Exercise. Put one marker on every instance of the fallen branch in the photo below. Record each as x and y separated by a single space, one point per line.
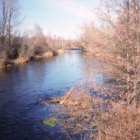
66 97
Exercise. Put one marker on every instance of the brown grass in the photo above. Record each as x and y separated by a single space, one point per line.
49 54
2 61
20 60
44 55
78 106
99 119
60 51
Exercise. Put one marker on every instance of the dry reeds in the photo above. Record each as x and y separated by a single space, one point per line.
97 119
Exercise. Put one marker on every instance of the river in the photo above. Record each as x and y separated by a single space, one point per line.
23 87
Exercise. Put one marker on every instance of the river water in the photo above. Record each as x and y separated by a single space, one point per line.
23 87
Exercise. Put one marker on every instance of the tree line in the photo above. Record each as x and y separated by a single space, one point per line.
23 46
109 110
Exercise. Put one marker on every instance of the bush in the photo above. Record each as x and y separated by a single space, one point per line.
96 118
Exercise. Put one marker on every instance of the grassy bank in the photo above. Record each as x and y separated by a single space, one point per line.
50 53
21 60
44 55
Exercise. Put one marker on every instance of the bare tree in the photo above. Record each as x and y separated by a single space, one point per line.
126 45
13 18
118 44
31 40
3 20
9 18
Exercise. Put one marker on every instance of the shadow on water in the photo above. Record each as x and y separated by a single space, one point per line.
23 87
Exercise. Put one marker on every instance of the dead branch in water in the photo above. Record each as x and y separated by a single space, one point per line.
61 100
66 97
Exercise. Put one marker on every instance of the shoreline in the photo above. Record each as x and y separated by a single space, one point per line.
18 61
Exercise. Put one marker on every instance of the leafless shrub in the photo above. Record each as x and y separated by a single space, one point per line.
120 122
29 43
92 117
26 50
78 115
117 45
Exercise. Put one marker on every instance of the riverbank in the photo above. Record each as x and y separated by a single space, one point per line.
97 118
24 88
49 54
20 60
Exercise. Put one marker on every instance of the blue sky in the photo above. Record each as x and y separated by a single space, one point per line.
62 18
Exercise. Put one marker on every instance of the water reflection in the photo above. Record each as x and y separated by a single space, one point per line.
22 87
20 114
